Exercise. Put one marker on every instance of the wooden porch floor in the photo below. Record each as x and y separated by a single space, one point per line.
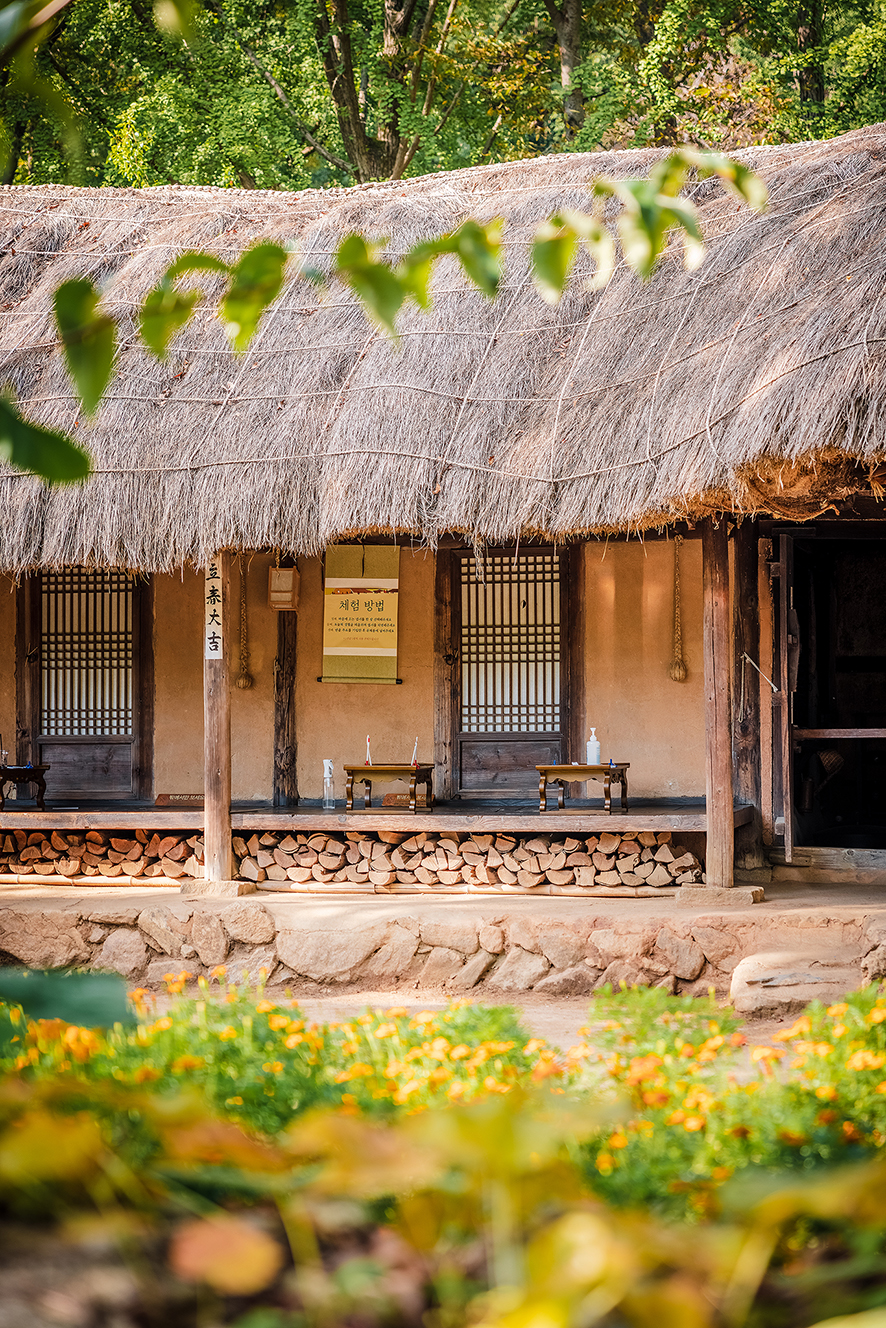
580 815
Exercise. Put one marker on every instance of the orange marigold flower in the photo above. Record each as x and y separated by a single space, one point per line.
676 1118
385 1030
877 1015
439 1075
617 1140
721 1173
278 1021
493 1086
826 1117
460 1052
294 1040
838 1030
866 1060
236 1101
228 1034
496 1048
405 1091
423 1017
265 1007
272 1067
365 1019
738 1040
826 1091
642 1068
534 1045
739 1132
835 1011
656 1097
219 971
881 1088
792 1137
186 1063
161 1025
396 1012
605 1163
458 1089
851 1132
546 1068
802 1025
359 1070
144 1074
694 1123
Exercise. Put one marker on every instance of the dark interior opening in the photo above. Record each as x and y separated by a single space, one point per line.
840 602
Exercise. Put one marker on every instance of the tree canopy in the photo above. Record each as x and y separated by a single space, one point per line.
291 93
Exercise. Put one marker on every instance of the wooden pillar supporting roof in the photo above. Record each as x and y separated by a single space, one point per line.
718 707
217 740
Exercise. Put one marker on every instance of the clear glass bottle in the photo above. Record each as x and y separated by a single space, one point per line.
328 787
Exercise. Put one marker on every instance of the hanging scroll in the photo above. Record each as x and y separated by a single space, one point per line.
213 634
360 601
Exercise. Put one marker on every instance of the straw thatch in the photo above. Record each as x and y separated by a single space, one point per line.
756 383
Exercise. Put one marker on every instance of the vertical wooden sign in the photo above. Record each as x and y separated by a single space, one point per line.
216 723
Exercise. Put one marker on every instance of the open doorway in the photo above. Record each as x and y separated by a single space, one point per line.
838 728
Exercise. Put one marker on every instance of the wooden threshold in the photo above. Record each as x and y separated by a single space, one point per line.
837 734
578 820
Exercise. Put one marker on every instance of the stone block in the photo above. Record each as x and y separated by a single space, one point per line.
46 939
491 938
782 982
684 957
519 970
476 968
124 951
577 980
250 922
329 956
252 965
627 971
154 922
459 934
158 969
441 966
563 944
873 966
720 947
209 938
197 888
390 960
702 896
524 932
114 915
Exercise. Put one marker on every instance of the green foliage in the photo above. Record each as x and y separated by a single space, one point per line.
88 338
91 999
256 282
39 451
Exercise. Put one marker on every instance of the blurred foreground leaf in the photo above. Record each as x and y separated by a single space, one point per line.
90 1000
39 451
256 282
89 339
228 1253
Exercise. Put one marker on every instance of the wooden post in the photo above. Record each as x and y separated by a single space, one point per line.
285 732
718 710
445 675
746 698
217 722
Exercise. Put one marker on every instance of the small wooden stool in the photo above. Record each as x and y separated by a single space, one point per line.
413 775
24 774
615 773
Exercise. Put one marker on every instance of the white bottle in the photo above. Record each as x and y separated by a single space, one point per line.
593 749
328 787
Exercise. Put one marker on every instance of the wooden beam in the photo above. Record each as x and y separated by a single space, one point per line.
718 709
143 648
746 697
285 728
217 727
445 674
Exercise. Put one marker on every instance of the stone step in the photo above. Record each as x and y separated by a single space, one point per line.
780 983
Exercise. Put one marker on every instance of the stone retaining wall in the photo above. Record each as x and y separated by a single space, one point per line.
623 864
469 948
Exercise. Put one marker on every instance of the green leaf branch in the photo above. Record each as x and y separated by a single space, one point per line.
651 210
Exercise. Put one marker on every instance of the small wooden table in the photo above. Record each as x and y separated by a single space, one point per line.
24 774
616 773
413 775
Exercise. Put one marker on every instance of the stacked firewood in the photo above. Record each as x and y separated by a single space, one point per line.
100 853
496 861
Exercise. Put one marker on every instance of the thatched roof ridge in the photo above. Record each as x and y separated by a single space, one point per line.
758 382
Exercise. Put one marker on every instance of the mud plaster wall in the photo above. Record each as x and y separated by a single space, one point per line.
334 718
178 672
642 716
7 664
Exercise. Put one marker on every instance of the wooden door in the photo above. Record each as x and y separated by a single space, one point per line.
787 654
85 677
508 620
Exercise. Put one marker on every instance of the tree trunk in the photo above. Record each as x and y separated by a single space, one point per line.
566 19
810 26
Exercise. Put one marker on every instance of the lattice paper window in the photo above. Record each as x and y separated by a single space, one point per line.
86 653
510 643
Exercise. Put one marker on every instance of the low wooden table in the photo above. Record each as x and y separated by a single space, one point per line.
616 773
413 775
24 774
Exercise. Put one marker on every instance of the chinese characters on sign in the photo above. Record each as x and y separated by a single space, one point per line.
360 607
214 613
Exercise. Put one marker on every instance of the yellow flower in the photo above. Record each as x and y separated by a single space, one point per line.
618 1140
186 1063
423 1017
877 1015
359 1070
144 1074
233 1102
293 1041
826 1092
605 1163
802 1025
493 1086
693 1123
460 1052
881 1088
397 1012
766 1054
835 1011
272 1067
365 1019
866 1060
838 1030
227 1034
393 1068
385 1030
440 1075
792 1138
160 1025
218 972
456 1090
406 1090
278 1021
265 1007
534 1045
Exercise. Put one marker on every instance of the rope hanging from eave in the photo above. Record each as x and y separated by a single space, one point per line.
677 671
245 679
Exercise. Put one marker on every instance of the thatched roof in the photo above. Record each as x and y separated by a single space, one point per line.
757 382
